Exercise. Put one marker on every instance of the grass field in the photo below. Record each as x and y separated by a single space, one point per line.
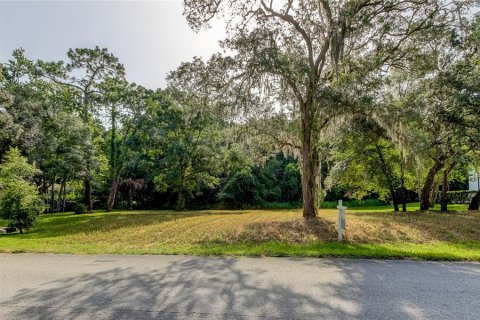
371 233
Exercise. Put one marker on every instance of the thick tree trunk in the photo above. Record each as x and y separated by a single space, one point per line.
404 202
428 185
113 193
434 193
475 202
87 197
309 171
395 203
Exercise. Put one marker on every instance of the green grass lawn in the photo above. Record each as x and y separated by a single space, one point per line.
371 233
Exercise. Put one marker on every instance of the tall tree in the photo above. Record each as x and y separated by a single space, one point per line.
85 71
124 105
299 51
188 147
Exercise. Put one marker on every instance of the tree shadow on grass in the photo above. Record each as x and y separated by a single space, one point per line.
70 224
224 288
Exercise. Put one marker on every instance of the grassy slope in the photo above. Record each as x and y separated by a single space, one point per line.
371 232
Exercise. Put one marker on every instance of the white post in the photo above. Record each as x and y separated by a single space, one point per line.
341 220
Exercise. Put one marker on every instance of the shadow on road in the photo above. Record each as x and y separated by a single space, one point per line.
218 288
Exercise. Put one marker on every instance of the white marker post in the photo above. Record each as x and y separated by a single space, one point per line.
341 220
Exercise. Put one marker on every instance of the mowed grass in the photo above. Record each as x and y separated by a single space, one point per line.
370 233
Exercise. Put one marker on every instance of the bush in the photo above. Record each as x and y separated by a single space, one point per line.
79 208
20 202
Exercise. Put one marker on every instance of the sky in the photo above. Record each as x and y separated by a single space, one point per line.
151 38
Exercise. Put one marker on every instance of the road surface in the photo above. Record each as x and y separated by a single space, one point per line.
43 286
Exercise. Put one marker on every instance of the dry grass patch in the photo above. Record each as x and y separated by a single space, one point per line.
253 232
362 228
295 231
413 227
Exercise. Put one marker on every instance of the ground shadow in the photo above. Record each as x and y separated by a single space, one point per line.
55 225
224 288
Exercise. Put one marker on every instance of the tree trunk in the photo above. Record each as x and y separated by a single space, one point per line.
395 202
87 199
428 185
130 197
444 196
388 176
52 196
475 202
64 202
309 171
181 201
434 194
402 186
113 150
404 202
112 196
45 193
60 195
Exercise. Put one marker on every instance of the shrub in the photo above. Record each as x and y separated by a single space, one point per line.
20 202
79 208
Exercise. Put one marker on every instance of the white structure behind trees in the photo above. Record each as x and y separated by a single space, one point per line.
473 181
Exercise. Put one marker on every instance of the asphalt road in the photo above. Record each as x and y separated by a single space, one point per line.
180 287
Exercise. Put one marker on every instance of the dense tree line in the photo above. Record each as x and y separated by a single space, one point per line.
315 102
100 141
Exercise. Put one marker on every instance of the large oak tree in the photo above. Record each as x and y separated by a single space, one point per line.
299 51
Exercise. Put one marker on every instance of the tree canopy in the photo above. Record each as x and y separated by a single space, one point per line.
309 101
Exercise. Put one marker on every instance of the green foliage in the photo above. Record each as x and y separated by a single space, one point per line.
291 183
19 199
274 183
367 162
187 145
240 191
79 208
208 139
